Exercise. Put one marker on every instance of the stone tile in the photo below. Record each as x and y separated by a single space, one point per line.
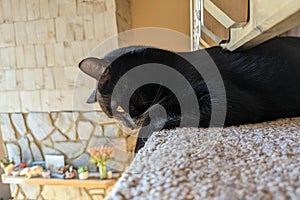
48 142
68 54
8 35
54 115
36 101
48 150
63 192
88 27
70 149
98 131
42 32
29 55
13 189
38 79
20 31
84 130
45 100
64 121
71 133
7 131
110 23
96 117
40 125
98 197
25 150
51 31
36 152
97 141
111 130
96 191
20 58
77 28
11 80
116 166
12 57
59 55
67 8
48 78
83 160
77 52
13 152
28 79
50 55
59 78
110 4
18 122
4 55
31 32
26 103
57 136
53 8
67 99
13 101
2 80
32 191
33 9
61 29
3 105
99 26
30 138
55 100
41 60
71 74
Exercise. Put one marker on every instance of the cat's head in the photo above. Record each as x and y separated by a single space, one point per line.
107 71
162 69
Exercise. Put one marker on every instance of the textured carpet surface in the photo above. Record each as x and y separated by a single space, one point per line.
259 161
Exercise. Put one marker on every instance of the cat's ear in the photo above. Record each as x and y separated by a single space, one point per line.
93 97
93 67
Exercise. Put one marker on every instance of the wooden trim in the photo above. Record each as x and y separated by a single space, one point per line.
206 41
90 183
215 27
235 10
266 21
218 14
211 35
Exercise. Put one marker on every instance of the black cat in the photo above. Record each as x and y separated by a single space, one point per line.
262 83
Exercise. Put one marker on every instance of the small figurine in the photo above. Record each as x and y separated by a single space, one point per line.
32 171
46 174
7 165
70 173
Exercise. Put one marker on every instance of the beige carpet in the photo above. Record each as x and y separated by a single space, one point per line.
260 161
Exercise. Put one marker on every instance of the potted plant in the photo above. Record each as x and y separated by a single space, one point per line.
83 172
101 156
7 165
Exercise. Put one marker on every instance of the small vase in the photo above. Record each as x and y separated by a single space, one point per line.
83 175
102 171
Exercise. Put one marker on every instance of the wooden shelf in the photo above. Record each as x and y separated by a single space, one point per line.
91 182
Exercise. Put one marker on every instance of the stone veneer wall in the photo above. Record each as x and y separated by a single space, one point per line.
42 92
31 136
41 44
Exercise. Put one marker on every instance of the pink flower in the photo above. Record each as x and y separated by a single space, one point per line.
101 155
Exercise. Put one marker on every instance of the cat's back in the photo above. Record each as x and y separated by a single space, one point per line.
263 82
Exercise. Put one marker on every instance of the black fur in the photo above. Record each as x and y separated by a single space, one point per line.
262 83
